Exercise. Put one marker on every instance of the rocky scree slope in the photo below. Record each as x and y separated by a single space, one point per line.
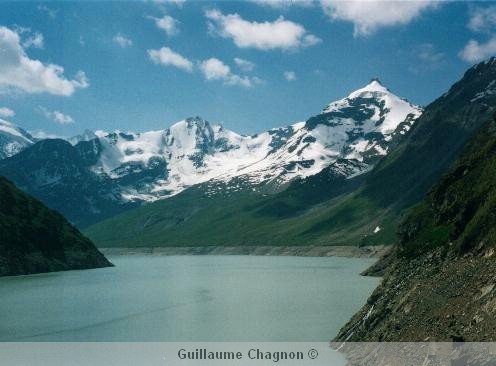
439 284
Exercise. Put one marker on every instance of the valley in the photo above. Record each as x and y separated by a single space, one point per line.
259 171
370 176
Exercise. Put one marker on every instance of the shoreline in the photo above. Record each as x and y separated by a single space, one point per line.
298 251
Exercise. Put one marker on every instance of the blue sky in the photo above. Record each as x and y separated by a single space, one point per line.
251 65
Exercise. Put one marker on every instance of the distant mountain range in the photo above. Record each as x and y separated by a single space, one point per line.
96 175
327 208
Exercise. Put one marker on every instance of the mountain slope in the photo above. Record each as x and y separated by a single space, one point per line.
13 139
313 211
198 217
435 139
36 239
100 177
58 174
440 282
406 174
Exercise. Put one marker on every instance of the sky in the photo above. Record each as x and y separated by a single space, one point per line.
250 65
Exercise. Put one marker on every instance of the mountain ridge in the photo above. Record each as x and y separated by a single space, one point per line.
128 169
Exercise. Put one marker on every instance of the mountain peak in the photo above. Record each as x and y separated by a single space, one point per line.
374 86
190 122
196 122
373 90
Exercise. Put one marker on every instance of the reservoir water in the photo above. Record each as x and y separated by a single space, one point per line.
187 298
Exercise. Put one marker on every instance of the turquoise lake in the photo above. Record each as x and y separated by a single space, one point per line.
187 298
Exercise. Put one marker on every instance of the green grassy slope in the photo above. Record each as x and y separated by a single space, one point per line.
242 218
36 239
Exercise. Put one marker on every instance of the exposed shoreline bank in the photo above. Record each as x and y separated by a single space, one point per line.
299 251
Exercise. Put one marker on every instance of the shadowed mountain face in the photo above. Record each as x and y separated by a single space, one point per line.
326 208
58 174
439 285
94 177
36 239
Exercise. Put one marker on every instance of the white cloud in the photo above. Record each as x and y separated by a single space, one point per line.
428 53
280 4
166 57
290 75
475 51
425 58
42 135
163 5
279 34
122 40
370 15
244 65
56 116
29 38
167 23
6 112
179 3
52 13
36 40
20 72
482 19
215 69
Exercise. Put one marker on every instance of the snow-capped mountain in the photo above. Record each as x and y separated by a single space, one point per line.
13 139
192 151
346 138
357 128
